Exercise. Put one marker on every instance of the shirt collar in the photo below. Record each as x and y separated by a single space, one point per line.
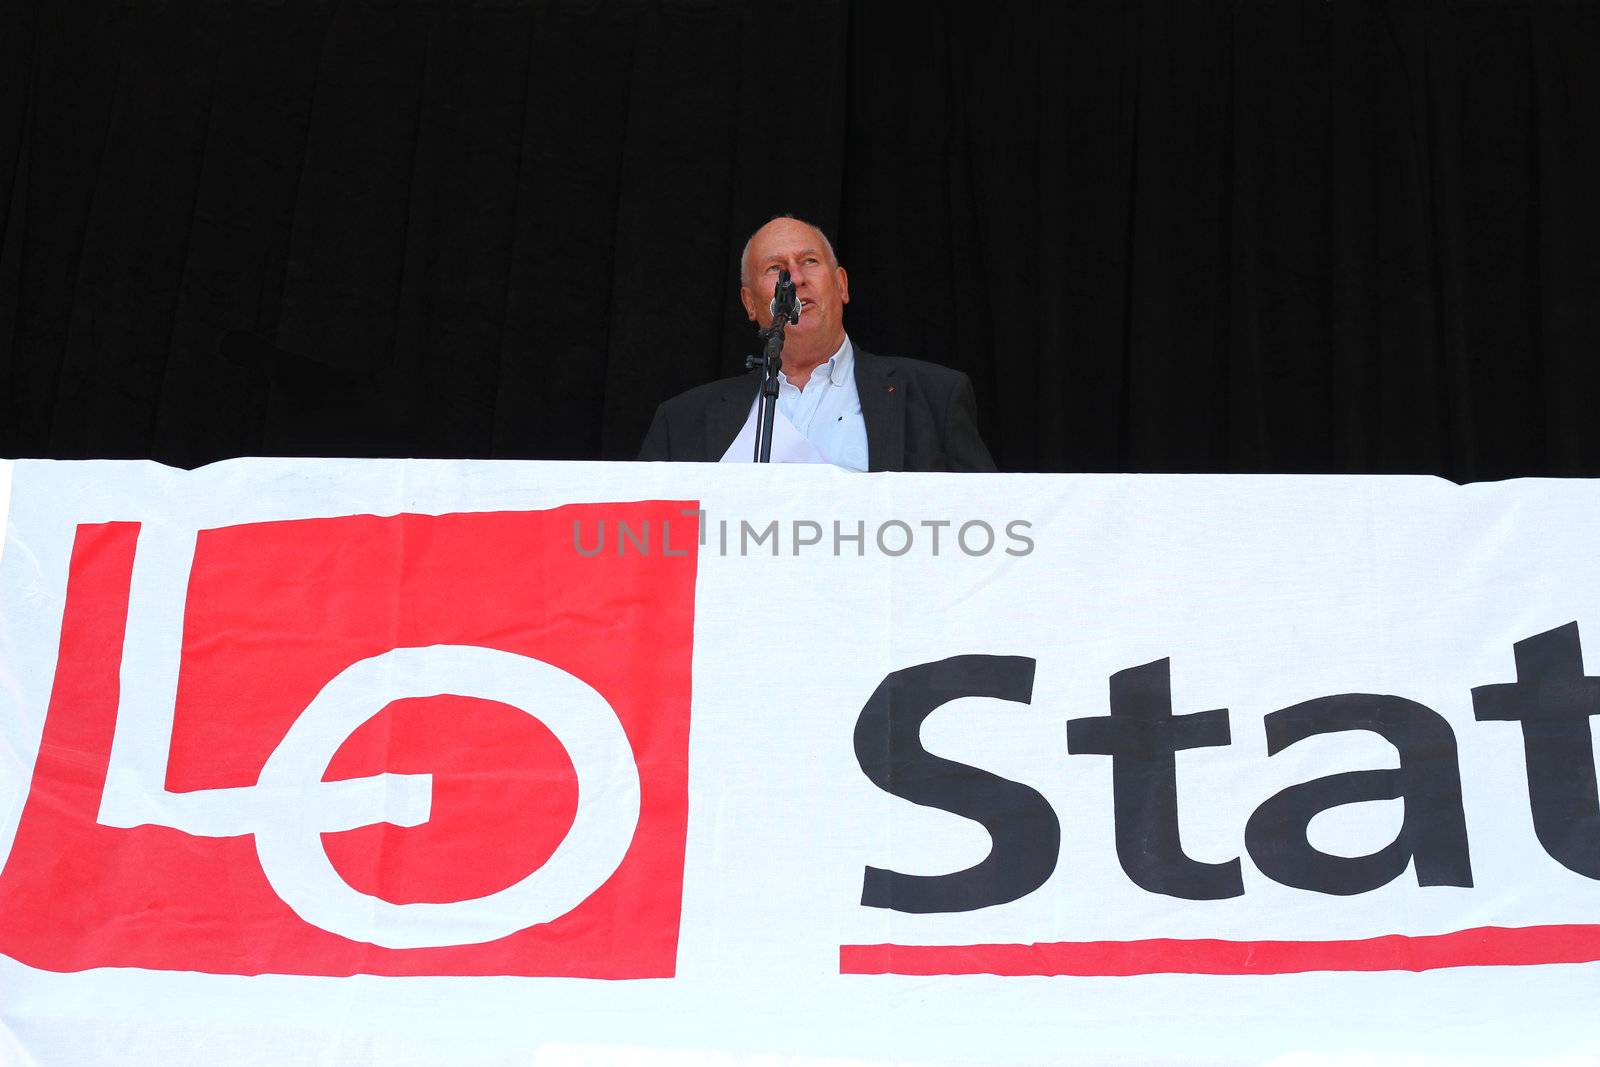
842 363
838 369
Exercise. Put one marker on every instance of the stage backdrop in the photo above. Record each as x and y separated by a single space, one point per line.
421 762
1350 236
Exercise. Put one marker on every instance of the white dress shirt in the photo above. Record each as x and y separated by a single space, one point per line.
827 412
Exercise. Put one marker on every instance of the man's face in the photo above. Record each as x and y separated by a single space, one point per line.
820 284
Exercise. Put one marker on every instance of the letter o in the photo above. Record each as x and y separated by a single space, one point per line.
290 847
961 536
903 548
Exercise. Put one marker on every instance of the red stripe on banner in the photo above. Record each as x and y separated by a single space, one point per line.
1486 946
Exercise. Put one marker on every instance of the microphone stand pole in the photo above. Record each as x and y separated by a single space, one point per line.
784 312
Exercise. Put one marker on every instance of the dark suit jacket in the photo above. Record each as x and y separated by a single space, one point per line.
919 416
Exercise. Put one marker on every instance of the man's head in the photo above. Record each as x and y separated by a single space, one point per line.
820 283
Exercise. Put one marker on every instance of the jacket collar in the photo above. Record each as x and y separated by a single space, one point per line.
883 406
727 416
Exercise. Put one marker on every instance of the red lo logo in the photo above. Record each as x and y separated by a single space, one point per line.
404 745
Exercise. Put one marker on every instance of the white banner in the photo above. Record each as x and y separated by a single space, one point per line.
422 762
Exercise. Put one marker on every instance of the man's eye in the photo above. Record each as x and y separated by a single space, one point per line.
811 260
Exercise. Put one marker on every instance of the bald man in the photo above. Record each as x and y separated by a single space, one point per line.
853 409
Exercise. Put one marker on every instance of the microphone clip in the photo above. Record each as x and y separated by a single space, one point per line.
785 306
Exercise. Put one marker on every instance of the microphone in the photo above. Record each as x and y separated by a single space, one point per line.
785 305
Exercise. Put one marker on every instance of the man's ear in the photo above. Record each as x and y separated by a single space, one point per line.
844 286
748 299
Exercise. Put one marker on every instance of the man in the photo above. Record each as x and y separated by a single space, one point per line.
853 409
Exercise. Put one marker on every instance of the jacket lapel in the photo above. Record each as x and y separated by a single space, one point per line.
883 406
727 416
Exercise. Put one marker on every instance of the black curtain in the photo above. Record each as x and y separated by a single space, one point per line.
1261 235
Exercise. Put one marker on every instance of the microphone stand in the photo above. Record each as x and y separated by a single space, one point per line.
785 312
